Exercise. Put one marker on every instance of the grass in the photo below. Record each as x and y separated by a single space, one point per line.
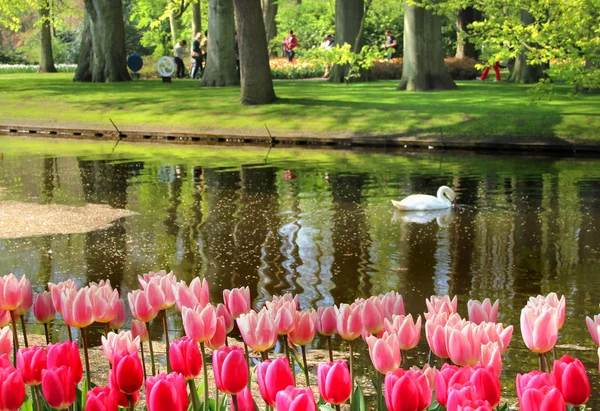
477 111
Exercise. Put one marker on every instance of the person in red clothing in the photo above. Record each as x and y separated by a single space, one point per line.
290 43
486 70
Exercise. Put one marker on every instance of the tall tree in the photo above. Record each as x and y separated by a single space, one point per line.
270 8
523 72
46 55
464 47
423 67
221 60
196 18
257 83
176 8
348 17
102 56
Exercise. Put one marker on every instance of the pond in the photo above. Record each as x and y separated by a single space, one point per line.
319 223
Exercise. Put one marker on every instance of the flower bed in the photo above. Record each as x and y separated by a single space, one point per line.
34 68
282 69
459 69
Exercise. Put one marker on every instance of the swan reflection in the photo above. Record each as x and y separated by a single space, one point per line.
442 217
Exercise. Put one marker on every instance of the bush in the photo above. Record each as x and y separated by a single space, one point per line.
34 68
459 69
282 69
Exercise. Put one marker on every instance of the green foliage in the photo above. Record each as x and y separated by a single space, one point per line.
358 399
435 406
344 56
384 15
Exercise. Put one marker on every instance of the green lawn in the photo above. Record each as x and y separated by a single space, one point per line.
482 111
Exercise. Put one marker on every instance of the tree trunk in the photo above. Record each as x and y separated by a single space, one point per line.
270 8
196 18
46 56
423 67
220 65
175 25
522 72
102 56
257 84
348 17
464 48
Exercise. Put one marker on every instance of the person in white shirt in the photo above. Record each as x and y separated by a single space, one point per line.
180 52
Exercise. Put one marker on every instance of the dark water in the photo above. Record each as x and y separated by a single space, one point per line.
320 224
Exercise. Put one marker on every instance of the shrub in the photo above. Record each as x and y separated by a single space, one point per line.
459 69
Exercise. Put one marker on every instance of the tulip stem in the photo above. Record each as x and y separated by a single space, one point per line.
540 363
247 363
143 360
70 334
235 402
554 353
217 398
330 349
379 390
106 329
36 397
194 395
338 408
164 318
264 355
151 349
87 358
46 332
131 405
15 337
24 331
351 371
403 360
547 362
205 376
305 365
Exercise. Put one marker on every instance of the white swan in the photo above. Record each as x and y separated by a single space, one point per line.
421 202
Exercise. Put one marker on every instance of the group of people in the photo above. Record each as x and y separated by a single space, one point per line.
198 54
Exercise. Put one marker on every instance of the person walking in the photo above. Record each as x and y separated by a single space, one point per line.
391 44
197 56
204 47
486 70
290 43
327 45
180 53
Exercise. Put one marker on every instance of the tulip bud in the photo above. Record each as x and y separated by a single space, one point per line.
304 328
31 362
327 321
185 357
43 309
101 399
12 388
128 373
273 376
245 402
139 329
58 387
65 354
407 391
384 352
572 380
230 369
140 306
200 323
480 312
121 343
237 301
6 340
296 399
119 320
166 392
258 330
334 383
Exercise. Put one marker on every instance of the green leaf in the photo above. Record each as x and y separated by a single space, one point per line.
435 406
504 407
83 395
27 404
325 407
358 399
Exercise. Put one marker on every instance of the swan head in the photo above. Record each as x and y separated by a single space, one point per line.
447 192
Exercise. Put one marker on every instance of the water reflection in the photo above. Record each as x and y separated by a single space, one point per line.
323 227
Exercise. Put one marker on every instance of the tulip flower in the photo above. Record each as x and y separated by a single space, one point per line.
222 311
491 332
326 321
6 340
551 300
543 399
237 301
442 382
140 306
296 399
464 345
185 357
56 292
159 288
393 305
483 311
27 301
539 328
119 320
58 387
4 318
349 321
220 337
77 307
31 362
166 392
435 332
534 379
284 316
384 352
121 343
491 356
465 398
436 304
43 309
105 301
123 400
197 294
429 372
273 377
101 399
65 354
230 369
304 328
594 328
407 330
244 400
12 389
407 391
484 382
11 291
128 373
373 314
335 384
200 322
258 330
139 329
572 380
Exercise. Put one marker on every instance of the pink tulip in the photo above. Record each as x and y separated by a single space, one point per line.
491 332
65 354
56 292
464 345
31 362
545 399
43 309
122 399
393 305
230 369
572 380
166 392
333 379
465 398
12 291
408 332
128 372
140 306
77 307
279 300
551 300
384 352
349 321
159 290
245 402
119 320
296 399
304 328
435 332
476 383
327 321
200 323
258 330
58 387
442 382
4 318
220 337
491 356
101 399
407 391
594 328
534 379
237 301
27 301
185 357
436 304
429 372
105 301
122 343
12 389
222 311
373 314
194 295
284 316
539 328
483 311
139 330
6 341
273 377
